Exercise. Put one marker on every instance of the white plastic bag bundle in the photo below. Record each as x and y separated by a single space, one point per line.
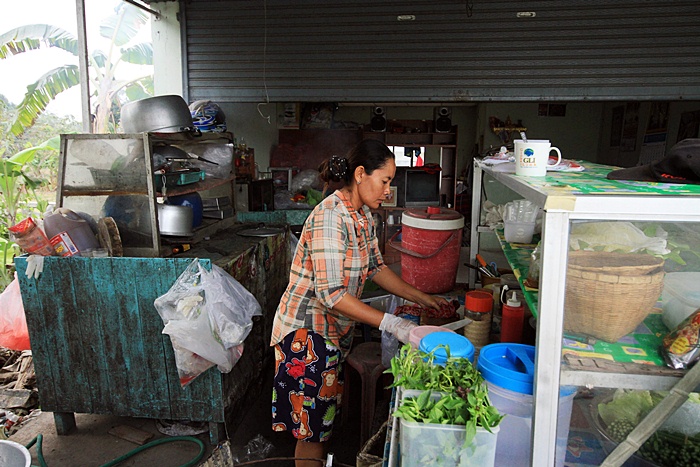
615 236
231 307
207 315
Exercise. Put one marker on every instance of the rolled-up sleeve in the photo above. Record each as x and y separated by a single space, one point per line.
328 250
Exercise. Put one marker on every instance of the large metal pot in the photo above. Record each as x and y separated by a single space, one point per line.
160 114
175 220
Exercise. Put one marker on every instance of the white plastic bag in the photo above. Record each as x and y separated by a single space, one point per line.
207 315
615 236
230 306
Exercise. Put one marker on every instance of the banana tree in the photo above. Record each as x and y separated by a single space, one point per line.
107 91
17 188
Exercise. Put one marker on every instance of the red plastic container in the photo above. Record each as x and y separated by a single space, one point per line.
430 242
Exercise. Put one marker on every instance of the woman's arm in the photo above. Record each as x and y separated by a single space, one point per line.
353 308
358 311
389 281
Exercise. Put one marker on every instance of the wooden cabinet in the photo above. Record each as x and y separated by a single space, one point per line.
97 338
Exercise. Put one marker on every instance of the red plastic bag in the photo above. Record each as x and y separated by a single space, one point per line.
13 324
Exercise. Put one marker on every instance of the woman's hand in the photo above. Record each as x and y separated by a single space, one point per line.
432 301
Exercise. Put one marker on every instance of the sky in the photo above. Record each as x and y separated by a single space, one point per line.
18 71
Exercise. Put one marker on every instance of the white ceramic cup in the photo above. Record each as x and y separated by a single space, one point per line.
531 157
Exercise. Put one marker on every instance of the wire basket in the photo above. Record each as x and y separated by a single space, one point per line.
609 294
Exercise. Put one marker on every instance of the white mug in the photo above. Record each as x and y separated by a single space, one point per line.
531 157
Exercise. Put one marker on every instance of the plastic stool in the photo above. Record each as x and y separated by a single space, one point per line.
366 359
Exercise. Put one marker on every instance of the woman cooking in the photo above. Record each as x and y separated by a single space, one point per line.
313 326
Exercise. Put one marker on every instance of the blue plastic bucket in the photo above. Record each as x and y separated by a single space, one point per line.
509 371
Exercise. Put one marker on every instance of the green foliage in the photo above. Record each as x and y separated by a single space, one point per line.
8 251
17 187
19 199
464 395
34 36
41 93
108 92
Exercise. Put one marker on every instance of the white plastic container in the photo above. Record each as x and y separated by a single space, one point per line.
680 297
518 232
508 370
13 454
443 445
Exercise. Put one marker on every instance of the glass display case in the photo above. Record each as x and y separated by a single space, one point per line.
113 175
569 352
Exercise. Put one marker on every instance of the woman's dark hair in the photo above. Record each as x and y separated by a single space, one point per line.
369 153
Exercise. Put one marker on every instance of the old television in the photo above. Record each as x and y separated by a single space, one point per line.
421 187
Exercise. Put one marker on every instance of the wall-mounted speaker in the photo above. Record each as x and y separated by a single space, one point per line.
378 120
443 119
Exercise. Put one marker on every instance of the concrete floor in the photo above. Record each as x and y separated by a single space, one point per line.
91 444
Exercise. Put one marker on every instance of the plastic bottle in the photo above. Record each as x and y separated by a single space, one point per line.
512 316
69 233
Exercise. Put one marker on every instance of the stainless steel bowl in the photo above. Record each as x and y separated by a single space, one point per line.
175 220
160 114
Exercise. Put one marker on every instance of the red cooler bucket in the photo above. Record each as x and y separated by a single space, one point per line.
430 242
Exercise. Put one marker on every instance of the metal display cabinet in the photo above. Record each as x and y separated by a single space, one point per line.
112 175
577 197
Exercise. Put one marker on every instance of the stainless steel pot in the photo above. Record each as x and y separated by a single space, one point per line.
160 114
175 220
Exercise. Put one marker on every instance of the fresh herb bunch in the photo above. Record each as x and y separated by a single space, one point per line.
464 398
414 369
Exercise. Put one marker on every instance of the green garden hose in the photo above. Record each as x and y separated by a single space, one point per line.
119 460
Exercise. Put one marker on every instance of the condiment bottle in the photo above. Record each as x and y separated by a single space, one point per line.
512 316
477 307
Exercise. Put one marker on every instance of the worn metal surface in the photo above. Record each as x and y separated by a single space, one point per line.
362 51
97 342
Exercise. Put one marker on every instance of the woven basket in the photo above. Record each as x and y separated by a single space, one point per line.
609 294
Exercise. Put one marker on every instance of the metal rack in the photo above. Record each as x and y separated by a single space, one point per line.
561 204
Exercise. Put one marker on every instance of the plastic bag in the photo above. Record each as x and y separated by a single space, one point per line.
306 179
230 306
681 347
13 323
615 236
257 448
207 315
220 154
533 272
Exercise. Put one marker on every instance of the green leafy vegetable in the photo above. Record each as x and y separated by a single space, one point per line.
454 393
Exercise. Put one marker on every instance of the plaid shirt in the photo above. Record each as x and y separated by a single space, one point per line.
337 252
